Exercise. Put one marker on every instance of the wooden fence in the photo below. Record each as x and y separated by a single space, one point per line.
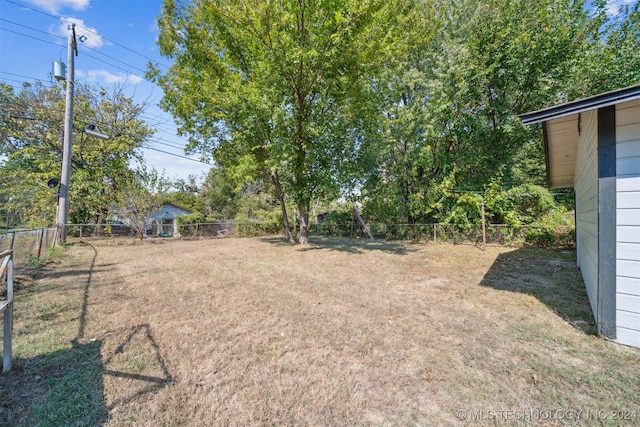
6 306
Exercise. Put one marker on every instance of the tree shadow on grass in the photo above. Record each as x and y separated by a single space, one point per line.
67 386
133 364
344 244
61 388
552 277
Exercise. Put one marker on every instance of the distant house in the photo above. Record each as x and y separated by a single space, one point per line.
593 145
164 221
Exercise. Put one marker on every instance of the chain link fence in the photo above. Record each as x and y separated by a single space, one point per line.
491 234
494 234
28 245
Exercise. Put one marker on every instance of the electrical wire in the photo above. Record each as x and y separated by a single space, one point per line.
13 80
31 37
168 145
85 53
86 29
113 58
32 29
85 47
19 75
115 66
156 140
177 155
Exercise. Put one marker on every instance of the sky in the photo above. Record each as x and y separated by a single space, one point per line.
120 40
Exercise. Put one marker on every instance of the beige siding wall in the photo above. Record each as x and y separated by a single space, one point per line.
628 223
587 204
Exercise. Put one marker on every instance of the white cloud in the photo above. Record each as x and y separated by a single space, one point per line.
93 39
107 77
613 6
54 6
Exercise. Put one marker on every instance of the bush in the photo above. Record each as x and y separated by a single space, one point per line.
337 223
531 202
193 218
466 212
554 230
258 229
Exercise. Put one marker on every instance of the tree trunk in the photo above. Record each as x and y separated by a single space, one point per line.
304 222
285 219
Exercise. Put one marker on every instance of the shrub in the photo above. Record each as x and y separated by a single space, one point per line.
337 223
554 230
192 218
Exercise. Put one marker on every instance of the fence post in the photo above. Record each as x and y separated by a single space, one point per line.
13 238
40 236
435 233
8 314
484 230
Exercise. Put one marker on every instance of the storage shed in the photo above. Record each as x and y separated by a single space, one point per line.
164 220
593 145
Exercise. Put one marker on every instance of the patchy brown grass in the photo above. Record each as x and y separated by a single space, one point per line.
340 332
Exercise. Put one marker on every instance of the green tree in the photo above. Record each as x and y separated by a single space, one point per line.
142 194
185 193
219 195
31 133
450 112
273 88
612 58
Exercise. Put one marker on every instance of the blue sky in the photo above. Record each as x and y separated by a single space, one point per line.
120 41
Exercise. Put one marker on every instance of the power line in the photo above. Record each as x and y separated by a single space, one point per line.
14 86
13 80
19 75
158 124
168 145
31 37
31 28
87 29
86 47
113 58
170 142
115 66
177 155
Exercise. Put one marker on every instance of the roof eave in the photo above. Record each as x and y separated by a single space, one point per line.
603 100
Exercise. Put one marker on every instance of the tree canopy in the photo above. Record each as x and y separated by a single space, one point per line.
31 139
278 89
408 107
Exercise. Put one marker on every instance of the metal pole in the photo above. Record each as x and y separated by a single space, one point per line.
63 207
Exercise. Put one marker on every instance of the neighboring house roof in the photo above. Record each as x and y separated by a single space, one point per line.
561 126
170 211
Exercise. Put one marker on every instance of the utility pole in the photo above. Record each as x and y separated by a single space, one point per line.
65 173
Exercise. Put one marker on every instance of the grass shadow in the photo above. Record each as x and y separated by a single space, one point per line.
142 370
66 385
552 277
61 388
344 244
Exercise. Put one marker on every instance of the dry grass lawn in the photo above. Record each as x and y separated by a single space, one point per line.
340 332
